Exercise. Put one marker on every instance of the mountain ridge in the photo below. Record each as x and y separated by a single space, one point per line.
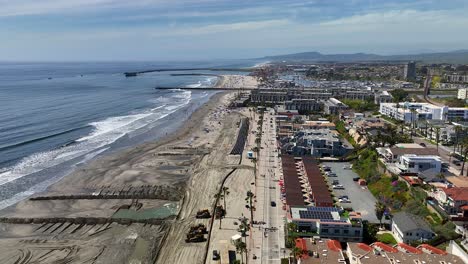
455 57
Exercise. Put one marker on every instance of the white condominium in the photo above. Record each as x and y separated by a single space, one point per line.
463 93
409 112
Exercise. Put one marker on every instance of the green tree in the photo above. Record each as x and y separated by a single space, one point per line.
225 191
241 248
379 211
297 253
399 95
244 227
249 199
219 196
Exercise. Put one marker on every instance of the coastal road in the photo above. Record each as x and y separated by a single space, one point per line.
272 232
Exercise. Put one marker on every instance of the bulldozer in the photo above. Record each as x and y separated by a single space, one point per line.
205 213
194 238
196 234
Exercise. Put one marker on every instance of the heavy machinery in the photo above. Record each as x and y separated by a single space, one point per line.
196 234
205 213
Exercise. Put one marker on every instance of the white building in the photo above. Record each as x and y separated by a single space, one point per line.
463 93
409 111
407 227
420 164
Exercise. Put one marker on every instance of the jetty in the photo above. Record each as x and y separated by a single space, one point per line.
136 73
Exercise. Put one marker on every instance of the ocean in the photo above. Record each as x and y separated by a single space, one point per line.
55 117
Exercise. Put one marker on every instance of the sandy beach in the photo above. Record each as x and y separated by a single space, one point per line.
237 81
177 175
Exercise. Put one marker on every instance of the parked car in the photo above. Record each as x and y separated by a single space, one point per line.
273 203
344 200
335 182
356 179
338 187
332 175
216 255
343 197
422 144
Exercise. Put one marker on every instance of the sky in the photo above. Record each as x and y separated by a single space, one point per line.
122 30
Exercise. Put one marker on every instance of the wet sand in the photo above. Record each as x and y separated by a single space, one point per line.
195 158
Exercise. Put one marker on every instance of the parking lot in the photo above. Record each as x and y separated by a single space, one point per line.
361 199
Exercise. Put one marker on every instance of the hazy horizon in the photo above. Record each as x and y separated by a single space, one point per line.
158 30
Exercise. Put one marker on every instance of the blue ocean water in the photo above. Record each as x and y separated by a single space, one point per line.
56 116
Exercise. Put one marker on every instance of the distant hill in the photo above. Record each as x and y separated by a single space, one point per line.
457 57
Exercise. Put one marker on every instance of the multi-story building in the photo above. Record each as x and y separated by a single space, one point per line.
451 199
463 93
319 143
382 97
410 71
420 164
409 112
312 105
378 252
458 78
407 227
326 222
333 106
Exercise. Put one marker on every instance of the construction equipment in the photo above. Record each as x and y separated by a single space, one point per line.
196 234
205 213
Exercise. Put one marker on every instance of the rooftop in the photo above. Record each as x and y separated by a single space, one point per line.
457 193
407 222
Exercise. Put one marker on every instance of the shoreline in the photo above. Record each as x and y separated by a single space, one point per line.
192 161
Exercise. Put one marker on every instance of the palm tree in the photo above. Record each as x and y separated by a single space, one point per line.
241 248
413 111
465 154
379 211
249 198
218 197
244 227
225 191
296 253
437 137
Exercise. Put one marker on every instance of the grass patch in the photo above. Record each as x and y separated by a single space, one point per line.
386 238
392 193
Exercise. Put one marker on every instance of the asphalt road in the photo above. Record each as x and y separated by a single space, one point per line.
361 198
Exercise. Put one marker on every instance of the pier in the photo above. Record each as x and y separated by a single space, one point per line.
205 88
136 73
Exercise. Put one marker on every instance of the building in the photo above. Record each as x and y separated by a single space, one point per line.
409 112
456 78
320 251
383 97
407 227
333 106
410 71
304 184
360 253
318 143
326 222
457 114
451 200
393 154
309 105
463 93
410 163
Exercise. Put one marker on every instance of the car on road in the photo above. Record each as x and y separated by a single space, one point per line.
338 187
356 179
273 203
422 144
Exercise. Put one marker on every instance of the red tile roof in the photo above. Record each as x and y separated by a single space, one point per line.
385 247
433 249
301 243
365 247
409 248
320 192
334 245
457 193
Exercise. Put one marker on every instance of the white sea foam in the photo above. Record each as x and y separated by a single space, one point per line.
105 132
